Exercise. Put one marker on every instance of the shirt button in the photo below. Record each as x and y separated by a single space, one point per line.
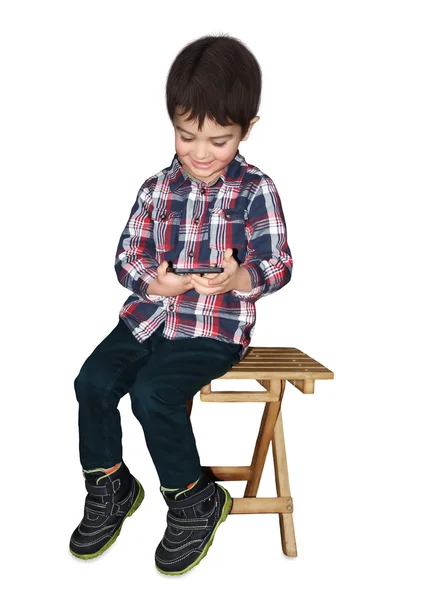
163 216
171 307
202 191
227 216
196 221
191 253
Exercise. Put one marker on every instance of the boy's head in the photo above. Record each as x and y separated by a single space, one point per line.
213 90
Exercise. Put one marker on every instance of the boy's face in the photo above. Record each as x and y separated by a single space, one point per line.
214 146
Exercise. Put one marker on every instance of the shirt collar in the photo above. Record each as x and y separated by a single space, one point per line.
232 175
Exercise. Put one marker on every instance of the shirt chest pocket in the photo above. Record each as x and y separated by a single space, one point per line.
166 225
227 228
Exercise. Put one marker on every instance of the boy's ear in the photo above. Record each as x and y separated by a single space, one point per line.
252 122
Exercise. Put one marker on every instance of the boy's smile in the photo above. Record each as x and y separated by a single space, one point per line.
205 154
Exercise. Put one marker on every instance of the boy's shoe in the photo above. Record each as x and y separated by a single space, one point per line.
193 517
110 500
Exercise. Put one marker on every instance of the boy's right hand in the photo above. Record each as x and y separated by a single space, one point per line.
169 284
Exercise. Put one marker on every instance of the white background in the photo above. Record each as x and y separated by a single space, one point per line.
83 124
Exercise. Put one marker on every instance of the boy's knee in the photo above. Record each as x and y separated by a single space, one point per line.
90 378
148 400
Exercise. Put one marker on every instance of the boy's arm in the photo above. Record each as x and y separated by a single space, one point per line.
268 259
135 262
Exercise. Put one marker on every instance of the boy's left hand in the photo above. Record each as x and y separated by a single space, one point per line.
220 283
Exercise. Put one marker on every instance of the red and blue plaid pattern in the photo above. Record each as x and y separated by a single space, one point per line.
181 219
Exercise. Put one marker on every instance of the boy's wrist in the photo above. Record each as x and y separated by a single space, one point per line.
243 281
154 289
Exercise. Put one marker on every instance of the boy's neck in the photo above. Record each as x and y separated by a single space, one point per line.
210 180
214 178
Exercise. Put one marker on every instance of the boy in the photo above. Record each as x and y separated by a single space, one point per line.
176 333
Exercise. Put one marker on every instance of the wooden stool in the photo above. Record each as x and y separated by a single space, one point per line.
271 367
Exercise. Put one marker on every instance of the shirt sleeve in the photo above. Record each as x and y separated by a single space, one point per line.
268 258
135 262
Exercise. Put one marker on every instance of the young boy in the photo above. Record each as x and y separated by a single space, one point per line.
176 333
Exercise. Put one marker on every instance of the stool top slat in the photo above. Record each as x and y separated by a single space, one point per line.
265 362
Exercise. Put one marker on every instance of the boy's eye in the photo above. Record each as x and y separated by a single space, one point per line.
191 139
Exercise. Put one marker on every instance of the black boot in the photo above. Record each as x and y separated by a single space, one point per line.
193 517
110 500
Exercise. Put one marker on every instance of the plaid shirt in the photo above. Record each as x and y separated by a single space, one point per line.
181 219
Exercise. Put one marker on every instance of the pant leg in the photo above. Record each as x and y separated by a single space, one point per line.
105 377
175 372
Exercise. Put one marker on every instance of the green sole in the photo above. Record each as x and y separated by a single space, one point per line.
139 499
225 512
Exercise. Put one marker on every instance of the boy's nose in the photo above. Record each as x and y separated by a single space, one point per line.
202 159
201 154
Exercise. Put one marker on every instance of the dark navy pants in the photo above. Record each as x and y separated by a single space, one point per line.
160 375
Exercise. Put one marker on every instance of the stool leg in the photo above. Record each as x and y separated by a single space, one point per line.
266 431
288 539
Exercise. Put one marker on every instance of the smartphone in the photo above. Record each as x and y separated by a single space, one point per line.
198 270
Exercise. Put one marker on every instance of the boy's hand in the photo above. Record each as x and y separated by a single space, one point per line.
230 279
169 284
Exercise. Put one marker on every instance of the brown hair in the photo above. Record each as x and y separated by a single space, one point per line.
215 76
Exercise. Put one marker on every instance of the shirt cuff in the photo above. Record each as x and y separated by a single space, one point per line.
258 284
144 284
154 297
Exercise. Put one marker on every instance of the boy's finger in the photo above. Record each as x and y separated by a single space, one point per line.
219 279
163 267
200 283
197 279
228 255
